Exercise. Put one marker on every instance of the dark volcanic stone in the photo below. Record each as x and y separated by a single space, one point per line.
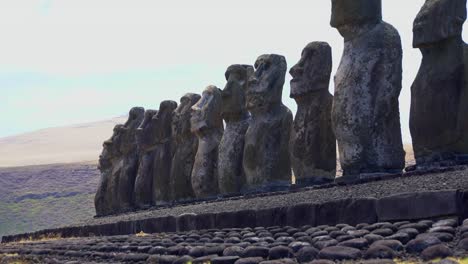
463 244
442 229
207 125
231 177
393 244
313 144
225 260
158 259
359 243
371 238
266 159
306 254
383 232
379 252
254 251
339 253
279 261
367 82
297 245
437 117
254 260
183 260
437 251
280 252
411 232
419 244
444 237
326 243
402 237
233 251
185 144
197 251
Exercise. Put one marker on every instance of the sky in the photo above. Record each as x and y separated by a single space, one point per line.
73 61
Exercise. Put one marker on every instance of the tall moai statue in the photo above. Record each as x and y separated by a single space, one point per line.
365 114
185 148
207 124
128 147
266 159
109 168
163 153
146 145
313 143
439 94
231 175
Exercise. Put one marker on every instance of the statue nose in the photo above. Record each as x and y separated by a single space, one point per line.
296 71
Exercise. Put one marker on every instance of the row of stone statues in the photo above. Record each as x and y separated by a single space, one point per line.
182 152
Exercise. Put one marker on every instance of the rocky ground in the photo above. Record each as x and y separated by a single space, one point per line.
424 240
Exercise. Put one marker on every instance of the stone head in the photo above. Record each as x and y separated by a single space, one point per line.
182 114
135 117
206 113
233 94
265 86
312 72
111 148
146 131
163 119
438 20
347 14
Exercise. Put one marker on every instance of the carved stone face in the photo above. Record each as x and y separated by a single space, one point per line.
111 148
163 120
266 84
182 114
233 95
206 113
135 118
346 13
146 131
438 20
312 72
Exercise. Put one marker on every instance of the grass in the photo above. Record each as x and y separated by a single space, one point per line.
41 197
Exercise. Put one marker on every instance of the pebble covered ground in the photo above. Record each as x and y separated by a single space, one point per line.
451 180
422 241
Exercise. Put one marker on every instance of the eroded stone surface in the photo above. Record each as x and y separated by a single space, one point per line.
365 113
185 145
439 94
129 164
266 158
313 144
207 125
231 176
108 162
145 139
163 153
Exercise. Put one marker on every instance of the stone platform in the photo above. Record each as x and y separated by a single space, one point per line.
404 197
381 243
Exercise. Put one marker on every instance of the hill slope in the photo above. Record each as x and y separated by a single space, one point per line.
69 144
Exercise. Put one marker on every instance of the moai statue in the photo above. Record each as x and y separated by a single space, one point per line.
231 175
185 148
163 153
266 159
108 166
439 94
146 145
207 124
313 143
128 147
365 114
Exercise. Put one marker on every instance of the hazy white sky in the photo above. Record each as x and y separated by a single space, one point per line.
71 61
